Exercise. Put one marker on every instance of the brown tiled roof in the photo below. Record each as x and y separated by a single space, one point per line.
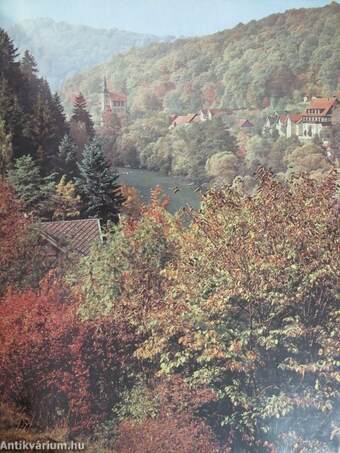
72 235
115 96
184 119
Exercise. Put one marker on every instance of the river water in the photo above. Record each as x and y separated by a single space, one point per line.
180 191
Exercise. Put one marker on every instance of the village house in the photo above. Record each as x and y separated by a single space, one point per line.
319 114
277 122
269 124
294 126
245 124
184 120
199 117
209 114
69 237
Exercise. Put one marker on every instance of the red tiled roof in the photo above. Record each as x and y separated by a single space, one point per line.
324 104
73 235
115 96
295 117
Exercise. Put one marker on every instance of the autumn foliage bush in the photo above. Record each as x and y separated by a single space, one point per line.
252 311
53 366
13 229
22 263
175 424
220 335
243 301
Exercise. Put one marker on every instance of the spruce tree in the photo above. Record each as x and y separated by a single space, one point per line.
11 110
9 67
81 115
59 117
28 66
67 159
33 190
98 186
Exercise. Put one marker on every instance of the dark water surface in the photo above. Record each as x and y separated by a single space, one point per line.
145 180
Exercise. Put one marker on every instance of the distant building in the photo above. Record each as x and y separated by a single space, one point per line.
319 114
245 124
113 103
184 120
270 124
294 126
199 117
288 125
209 114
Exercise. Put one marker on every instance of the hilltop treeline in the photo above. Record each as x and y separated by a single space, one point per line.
64 49
270 61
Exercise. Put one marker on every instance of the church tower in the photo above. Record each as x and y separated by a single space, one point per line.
106 104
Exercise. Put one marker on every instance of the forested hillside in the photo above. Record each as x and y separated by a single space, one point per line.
63 49
212 330
279 58
56 168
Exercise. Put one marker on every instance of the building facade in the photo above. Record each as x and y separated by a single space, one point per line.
317 116
321 113
113 104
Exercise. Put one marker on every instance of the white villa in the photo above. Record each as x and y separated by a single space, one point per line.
320 113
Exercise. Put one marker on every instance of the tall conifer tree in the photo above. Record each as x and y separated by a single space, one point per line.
28 66
67 159
33 190
98 185
80 114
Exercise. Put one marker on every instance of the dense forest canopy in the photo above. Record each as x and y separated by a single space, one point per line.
279 58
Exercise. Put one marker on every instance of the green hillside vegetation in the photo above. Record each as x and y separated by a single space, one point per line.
208 153
63 49
278 59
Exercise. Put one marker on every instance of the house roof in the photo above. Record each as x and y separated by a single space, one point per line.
72 235
184 119
324 104
115 96
295 117
245 123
